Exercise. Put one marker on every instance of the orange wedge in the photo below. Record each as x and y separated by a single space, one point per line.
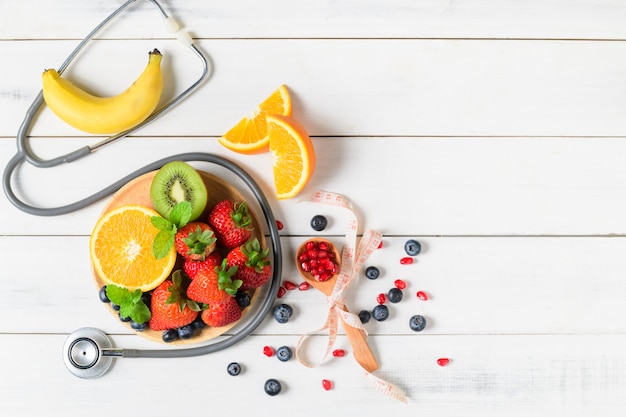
121 249
293 156
249 136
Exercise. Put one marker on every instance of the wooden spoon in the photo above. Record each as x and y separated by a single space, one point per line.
357 338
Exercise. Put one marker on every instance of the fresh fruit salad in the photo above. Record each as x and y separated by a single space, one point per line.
178 255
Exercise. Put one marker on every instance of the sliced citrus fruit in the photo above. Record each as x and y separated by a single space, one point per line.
293 156
121 249
249 136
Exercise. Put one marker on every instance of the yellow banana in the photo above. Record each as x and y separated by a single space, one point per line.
105 115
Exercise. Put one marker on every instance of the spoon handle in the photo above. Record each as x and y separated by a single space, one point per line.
362 352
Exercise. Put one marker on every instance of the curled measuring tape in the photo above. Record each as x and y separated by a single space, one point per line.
352 259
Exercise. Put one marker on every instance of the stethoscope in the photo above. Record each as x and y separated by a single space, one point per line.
89 352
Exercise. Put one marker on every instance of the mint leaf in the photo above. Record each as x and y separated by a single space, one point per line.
161 223
118 295
131 304
141 313
163 243
126 310
181 213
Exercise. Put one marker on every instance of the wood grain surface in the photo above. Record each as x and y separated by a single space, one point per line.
494 132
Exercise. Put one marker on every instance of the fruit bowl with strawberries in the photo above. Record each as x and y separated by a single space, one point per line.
179 257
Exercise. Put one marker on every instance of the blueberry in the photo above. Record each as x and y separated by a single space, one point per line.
283 353
380 312
365 316
417 323
146 297
272 387
115 307
372 272
233 369
319 223
243 299
103 295
198 324
169 335
412 247
186 332
394 295
282 313
124 319
140 327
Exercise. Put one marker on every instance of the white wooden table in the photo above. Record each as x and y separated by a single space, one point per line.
492 131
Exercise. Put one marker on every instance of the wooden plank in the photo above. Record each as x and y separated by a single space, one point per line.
391 88
476 286
586 19
430 186
487 376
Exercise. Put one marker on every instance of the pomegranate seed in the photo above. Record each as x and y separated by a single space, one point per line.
443 361
400 284
289 285
324 277
303 257
382 298
279 225
406 261
323 246
339 353
309 245
304 286
328 385
268 351
422 295
281 292
380 245
322 254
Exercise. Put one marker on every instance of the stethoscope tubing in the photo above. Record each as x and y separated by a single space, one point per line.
25 154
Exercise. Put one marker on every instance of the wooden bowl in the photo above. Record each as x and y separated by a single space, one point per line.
137 192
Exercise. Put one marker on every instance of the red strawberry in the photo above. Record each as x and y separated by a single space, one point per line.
191 268
222 312
231 223
195 241
169 307
213 284
253 265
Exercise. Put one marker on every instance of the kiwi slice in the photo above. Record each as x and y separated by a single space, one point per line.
175 182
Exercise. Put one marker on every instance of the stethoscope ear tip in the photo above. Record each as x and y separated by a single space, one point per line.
83 353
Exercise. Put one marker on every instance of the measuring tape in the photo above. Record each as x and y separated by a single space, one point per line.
352 259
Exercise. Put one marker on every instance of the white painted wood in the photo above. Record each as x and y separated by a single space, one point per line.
498 126
354 87
580 19
488 375
439 186
476 286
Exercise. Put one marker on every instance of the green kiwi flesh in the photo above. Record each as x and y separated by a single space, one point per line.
175 182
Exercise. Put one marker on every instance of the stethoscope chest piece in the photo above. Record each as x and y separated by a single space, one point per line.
83 353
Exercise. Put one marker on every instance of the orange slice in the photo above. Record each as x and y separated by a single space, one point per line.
121 249
293 156
249 136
